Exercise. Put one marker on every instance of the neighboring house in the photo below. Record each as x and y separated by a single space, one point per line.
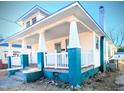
68 45
118 55
16 50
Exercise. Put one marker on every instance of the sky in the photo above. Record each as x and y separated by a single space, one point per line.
114 13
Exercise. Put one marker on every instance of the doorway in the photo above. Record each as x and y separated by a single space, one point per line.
58 47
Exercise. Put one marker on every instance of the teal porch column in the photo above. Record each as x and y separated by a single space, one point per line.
9 66
9 62
10 53
41 51
24 54
102 54
40 60
74 55
24 60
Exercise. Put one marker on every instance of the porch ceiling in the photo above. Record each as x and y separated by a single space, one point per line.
55 32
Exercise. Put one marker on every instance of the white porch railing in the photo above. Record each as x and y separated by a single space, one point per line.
56 60
86 58
16 61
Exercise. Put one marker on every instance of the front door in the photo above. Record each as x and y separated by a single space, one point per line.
58 47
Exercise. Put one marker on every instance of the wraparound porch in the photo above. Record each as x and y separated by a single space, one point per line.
72 58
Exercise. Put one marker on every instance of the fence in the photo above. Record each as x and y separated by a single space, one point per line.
16 61
56 60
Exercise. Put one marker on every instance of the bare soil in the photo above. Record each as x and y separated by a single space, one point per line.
93 84
120 78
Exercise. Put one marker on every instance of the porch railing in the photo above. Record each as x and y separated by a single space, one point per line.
16 61
86 58
56 60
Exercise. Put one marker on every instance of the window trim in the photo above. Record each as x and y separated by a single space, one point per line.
97 42
33 20
28 25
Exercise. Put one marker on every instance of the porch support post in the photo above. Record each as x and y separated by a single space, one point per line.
74 55
24 55
10 55
41 51
102 54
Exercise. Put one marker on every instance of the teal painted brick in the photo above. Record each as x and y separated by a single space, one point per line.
12 72
24 60
64 77
29 77
40 60
89 73
74 59
48 74
61 76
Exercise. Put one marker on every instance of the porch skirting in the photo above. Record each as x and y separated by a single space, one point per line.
64 76
89 73
57 75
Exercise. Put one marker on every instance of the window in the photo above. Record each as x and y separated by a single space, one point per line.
28 24
97 42
34 20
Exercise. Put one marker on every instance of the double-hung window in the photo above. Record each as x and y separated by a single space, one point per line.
34 20
28 24
97 42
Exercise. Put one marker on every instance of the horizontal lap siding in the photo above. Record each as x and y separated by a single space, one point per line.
86 41
50 44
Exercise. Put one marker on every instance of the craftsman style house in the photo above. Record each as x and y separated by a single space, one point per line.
68 45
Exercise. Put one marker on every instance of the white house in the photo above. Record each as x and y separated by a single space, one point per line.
68 44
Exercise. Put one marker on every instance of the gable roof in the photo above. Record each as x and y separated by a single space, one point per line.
100 30
34 10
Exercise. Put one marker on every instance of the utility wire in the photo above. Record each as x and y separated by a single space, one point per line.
7 20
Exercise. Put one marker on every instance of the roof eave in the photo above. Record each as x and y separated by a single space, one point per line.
31 10
72 5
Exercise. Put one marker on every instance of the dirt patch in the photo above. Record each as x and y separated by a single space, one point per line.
107 83
7 84
120 78
3 74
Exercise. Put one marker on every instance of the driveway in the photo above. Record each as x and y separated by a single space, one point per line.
6 83
120 78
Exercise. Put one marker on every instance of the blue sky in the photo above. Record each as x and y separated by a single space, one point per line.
114 13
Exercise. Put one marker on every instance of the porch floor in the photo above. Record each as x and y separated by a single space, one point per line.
64 70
